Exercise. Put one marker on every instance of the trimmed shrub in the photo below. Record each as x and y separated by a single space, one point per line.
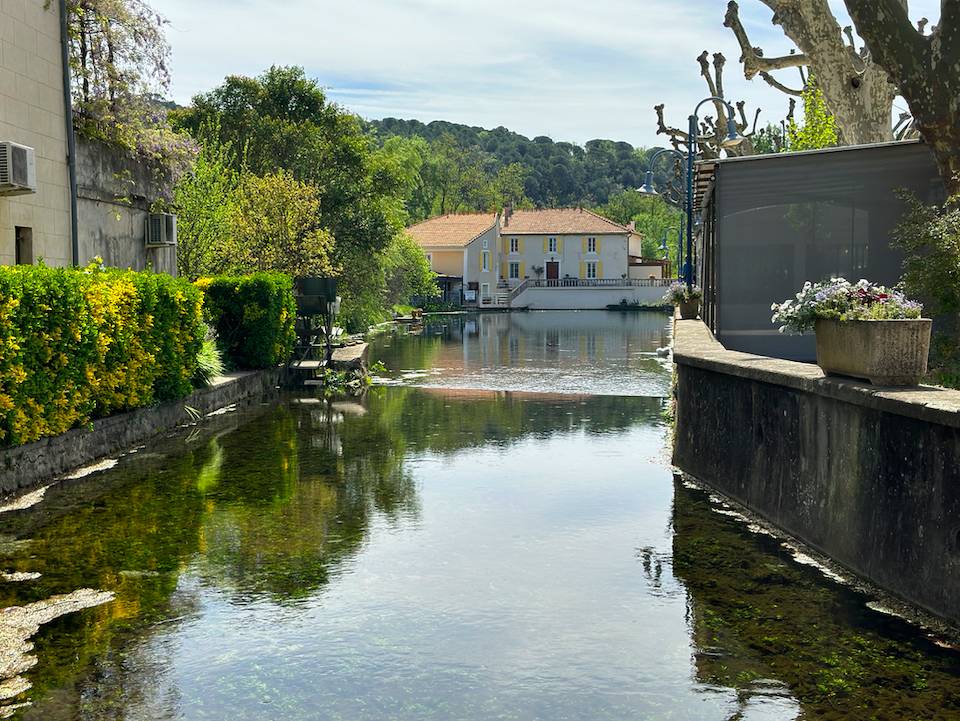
79 344
254 316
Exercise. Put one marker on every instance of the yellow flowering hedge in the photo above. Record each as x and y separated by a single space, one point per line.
81 344
254 316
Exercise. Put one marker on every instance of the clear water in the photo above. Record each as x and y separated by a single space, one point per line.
448 553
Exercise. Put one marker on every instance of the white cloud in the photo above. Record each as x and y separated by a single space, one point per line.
541 67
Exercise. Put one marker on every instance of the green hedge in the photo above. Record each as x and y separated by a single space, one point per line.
254 316
78 344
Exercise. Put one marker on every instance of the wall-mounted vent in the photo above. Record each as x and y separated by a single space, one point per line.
18 169
161 230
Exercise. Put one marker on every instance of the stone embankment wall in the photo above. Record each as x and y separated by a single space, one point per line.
49 458
869 477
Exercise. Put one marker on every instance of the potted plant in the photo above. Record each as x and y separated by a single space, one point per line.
685 297
862 330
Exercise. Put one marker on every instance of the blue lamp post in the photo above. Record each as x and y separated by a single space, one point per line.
648 189
732 140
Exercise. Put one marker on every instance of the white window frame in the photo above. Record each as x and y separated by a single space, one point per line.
591 245
486 243
552 245
511 267
484 290
485 261
514 246
592 268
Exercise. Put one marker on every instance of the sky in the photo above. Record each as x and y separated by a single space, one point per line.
567 69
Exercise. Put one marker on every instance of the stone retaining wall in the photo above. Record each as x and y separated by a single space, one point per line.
48 458
869 477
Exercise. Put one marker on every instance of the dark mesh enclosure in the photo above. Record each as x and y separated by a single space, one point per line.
775 221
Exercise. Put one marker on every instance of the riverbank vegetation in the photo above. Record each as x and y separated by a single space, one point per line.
80 344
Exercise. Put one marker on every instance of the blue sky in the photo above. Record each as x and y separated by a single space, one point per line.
563 68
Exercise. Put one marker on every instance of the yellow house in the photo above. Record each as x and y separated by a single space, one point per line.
461 248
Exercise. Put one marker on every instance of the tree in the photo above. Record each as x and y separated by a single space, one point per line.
282 124
652 217
276 224
202 200
856 89
407 271
119 66
819 128
712 131
925 67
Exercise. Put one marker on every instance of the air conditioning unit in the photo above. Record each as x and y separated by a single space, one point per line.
161 230
18 169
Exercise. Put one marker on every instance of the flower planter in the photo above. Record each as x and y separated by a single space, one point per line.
689 309
884 352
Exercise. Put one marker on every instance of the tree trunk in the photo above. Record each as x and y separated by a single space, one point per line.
857 92
926 69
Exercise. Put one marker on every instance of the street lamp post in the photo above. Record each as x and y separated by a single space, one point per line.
733 140
648 189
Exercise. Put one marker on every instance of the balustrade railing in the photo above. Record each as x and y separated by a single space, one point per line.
598 283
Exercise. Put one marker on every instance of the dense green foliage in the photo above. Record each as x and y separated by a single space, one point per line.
819 128
282 132
929 237
254 317
470 168
77 344
655 219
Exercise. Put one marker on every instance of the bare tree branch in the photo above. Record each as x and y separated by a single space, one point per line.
752 57
773 82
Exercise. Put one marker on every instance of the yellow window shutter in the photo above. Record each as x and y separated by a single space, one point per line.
503 245
503 269
560 245
545 245
523 271
520 245
480 262
600 269
584 242
583 268
598 246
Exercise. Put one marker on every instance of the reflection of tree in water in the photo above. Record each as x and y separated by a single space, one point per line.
295 498
760 623
448 420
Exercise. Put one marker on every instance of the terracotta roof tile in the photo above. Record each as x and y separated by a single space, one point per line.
560 221
455 229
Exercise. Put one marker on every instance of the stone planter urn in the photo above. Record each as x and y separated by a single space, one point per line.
690 309
884 352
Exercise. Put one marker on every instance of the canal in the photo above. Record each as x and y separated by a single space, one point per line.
494 532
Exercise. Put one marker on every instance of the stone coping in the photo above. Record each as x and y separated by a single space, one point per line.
694 345
50 458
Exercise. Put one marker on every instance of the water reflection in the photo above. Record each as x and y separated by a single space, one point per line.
596 352
430 553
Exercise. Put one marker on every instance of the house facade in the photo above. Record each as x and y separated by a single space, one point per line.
34 225
522 258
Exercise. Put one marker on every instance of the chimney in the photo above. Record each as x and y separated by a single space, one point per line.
507 212
632 226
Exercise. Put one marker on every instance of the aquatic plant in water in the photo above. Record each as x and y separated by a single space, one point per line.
839 299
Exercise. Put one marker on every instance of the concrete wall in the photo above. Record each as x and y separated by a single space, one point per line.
571 253
586 298
867 476
646 271
32 114
114 195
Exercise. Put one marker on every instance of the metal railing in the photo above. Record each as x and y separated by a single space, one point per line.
598 283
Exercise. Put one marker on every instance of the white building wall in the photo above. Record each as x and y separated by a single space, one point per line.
32 114
586 298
